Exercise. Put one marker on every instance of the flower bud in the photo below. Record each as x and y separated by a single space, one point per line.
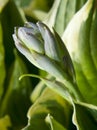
44 49
49 41
28 39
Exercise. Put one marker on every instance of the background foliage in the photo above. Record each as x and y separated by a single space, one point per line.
30 100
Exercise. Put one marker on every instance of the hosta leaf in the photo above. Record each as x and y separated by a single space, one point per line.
61 13
2 67
83 116
16 101
38 5
80 43
3 4
37 9
93 39
53 124
45 104
39 15
5 123
22 3
10 17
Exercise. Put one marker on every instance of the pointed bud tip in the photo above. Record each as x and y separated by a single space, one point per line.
14 37
41 25
31 25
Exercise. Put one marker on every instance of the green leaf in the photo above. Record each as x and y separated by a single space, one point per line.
53 124
45 104
22 3
83 116
5 123
10 17
16 100
37 9
3 4
43 5
61 13
2 66
79 37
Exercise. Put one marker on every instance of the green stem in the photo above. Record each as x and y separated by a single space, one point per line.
73 90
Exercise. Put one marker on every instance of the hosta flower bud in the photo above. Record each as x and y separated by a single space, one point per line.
49 41
44 49
27 37
55 49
